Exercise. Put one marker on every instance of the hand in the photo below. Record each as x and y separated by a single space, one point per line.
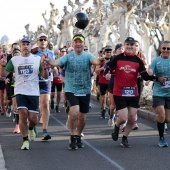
7 81
162 79
108 76
45 61
150 71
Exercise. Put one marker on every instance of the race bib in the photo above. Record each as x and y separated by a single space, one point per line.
25 70
128 91
166 84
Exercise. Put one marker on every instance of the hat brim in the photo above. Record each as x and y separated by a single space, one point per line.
78 37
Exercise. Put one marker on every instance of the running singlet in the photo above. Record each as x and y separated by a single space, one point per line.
126 72
161 67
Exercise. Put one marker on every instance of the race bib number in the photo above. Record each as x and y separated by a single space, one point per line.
25 70
166 84
128 91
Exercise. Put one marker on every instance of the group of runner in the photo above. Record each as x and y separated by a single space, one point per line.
120 72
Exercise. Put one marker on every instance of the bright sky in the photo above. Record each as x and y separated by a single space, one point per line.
15 14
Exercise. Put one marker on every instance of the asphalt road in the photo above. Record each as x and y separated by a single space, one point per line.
100 152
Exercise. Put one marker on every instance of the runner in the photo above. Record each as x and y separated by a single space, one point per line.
127 66
27 68
45 84
161 91
77 86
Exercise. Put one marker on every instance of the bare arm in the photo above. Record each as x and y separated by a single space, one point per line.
3 72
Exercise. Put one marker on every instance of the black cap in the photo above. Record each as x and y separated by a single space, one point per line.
25 39
130 40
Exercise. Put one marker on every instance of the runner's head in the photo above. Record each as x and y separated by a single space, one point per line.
78 43
129 46
42 41
165 49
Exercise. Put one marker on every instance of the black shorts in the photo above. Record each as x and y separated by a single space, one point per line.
161 101
103 88
31 103
123 102
56 86
2 85
82 101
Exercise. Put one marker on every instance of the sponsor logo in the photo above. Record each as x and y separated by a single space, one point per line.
128 69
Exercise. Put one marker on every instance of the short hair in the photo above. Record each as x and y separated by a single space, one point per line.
165 42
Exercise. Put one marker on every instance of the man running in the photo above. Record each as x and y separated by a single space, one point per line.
161 91
77 66
127 66
27 68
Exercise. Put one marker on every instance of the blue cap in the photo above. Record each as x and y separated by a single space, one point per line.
25 39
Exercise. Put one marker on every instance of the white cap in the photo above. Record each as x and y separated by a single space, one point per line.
41 35
70 49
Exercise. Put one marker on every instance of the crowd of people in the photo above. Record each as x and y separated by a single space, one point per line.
32 81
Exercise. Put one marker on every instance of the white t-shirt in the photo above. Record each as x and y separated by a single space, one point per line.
26 74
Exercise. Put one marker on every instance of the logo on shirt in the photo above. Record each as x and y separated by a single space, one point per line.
127 69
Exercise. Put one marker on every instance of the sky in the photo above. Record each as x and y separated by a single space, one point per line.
15 14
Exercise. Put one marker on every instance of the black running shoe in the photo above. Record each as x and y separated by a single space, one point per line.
46 136
52 104
125 143
72 145
103 115
115 133
56 109
79 142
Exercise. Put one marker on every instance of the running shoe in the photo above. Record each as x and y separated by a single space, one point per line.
103 115
125 144
46 136
79 142
25 145
16 130
56 109
8 112
52 104
72 145
111 122
162 143
31 135
135 126
2 112
115 133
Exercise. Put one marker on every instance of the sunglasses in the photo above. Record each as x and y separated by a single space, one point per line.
63 51
85 49
108 51
164 48
42 40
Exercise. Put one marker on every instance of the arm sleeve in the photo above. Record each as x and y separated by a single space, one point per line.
9 67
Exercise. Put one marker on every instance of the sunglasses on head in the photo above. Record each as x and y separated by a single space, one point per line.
42 39
164 48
